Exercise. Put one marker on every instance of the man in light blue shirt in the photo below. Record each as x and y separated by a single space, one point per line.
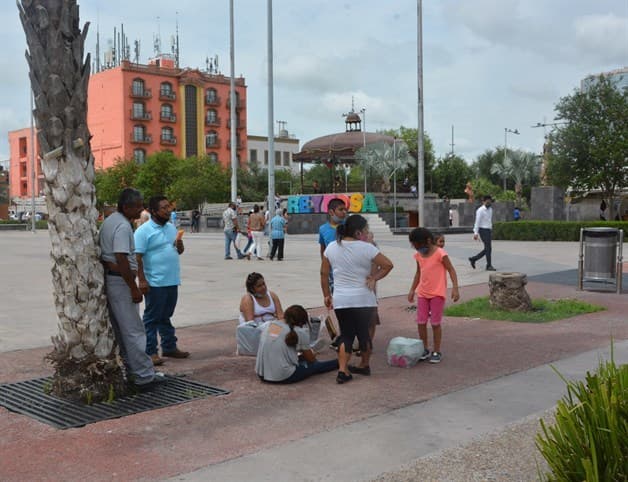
277 235
158 247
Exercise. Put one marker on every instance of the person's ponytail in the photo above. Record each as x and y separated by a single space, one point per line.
340 232
294 315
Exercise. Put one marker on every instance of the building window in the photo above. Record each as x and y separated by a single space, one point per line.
265 157
23 144
213 157
253 155
138 87
191 121
165 91
139 133
212 116
211 96
138 110
211 139
139 156
277 158
167 134
166 112
286 158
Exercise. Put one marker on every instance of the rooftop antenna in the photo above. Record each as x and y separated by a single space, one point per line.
98 43
114 50
137 51
176 54
157 40
216 63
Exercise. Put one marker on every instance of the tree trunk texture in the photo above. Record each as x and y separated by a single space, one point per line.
508 292
84 354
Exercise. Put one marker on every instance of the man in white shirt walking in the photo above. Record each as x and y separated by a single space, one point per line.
483 228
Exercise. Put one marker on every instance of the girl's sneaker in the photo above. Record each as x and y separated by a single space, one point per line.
435 358
425 356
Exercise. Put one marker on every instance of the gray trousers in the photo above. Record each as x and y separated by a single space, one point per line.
129 330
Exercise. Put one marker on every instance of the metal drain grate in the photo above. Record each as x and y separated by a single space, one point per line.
29 398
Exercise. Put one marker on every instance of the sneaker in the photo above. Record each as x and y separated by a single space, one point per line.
335 344
490 268
342 377
228 257
472 261
360 370
158 379
435 358
425 356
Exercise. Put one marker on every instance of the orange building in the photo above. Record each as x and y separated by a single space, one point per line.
135 110
20 164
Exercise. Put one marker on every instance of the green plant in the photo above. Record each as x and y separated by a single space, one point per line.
542 310
550 230
589 440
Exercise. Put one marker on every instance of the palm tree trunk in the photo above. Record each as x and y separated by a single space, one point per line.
84 353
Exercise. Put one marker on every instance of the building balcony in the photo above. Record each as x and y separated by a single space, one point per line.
168 140
239 124
238 145
168 117
167 95
145 116
212 122
212 145
212 100
145 139
141 94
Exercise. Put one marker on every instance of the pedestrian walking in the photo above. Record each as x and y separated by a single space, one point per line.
230 221
483 228
256 225
277 234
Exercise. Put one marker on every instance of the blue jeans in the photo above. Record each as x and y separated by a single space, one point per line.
160 305
230 237
307 369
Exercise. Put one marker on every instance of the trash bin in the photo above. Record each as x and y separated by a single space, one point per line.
600 256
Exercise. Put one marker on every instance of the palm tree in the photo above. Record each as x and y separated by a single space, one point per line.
503 169
523 167
385 159
84 353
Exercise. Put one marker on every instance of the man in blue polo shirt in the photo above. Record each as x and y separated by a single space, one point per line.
157 248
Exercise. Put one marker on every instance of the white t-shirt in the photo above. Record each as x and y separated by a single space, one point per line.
351 264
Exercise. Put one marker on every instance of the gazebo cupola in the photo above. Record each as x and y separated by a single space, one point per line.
353 123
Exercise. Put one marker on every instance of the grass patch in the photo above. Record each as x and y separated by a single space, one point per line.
542 310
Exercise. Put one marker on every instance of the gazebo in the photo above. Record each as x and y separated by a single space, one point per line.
339 148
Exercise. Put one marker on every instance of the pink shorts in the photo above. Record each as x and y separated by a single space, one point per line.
430 308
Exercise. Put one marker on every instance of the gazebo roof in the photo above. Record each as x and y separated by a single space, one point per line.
339 147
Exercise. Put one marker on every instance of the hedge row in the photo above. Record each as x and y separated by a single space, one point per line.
551 230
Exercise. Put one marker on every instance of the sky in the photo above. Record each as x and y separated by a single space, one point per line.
488 65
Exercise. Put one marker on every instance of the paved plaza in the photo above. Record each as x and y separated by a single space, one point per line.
493 374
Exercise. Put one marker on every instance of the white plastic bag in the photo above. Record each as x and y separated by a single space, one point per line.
404 352
248 336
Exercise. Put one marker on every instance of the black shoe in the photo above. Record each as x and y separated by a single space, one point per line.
158 379
335 344
490 268
360 370
342 377
472 261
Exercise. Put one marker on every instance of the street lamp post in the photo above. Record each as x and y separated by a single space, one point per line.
506 131
363 112
395 181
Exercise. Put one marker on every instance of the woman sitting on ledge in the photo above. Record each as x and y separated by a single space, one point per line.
284 354
259 304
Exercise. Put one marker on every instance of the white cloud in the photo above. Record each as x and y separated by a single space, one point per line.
604 37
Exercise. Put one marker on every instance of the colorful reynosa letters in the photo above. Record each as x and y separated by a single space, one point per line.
355 202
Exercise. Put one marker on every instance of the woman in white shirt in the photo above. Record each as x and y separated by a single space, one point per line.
350 259
259 303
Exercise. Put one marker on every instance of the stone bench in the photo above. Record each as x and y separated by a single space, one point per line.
15 227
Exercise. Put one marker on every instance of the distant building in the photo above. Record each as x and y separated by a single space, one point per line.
285 146
136 110
617 77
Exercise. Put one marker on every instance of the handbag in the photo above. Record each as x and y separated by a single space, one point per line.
331 327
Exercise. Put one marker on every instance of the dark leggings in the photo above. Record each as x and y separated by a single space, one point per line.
307 369
355 322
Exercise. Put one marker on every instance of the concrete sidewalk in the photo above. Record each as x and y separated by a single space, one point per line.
492 373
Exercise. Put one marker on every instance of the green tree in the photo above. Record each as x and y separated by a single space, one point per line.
382 160
590 150
482 166
450 176
198 180
109 182
410 137
525 167
156 174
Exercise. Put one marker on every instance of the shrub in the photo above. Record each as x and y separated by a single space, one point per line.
550 230
589 440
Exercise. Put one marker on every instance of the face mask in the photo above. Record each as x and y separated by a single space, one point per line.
423 250
337 220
